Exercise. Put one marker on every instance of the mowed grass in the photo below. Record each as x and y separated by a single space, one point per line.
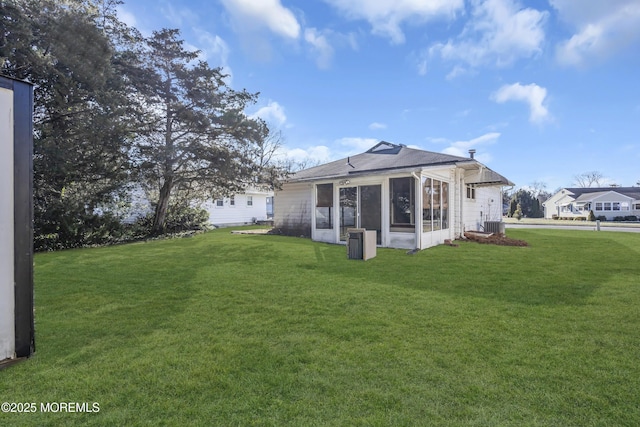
237 330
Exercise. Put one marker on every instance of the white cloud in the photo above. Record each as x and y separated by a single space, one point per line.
499 31
126 16
178 17
213 49
532 94
457 71
377 126
272 113
357 145
603 28
461 148
422 67
314 154
252 14
320 45
386 16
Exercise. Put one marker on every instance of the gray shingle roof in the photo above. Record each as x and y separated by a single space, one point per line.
387 157
591 192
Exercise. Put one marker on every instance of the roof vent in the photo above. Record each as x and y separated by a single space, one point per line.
472 153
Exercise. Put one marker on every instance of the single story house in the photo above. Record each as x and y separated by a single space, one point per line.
413 199
248 207
610 202
242 208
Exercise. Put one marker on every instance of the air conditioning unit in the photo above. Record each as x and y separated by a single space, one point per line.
361 243
494 227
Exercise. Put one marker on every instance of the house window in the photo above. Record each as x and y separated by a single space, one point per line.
402 203
637 206
270 207
219 203
599 206
624 206
324 206
471 192
249 200
607 206
232 200
616 206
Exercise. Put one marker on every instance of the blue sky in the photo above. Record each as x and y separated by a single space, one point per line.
543 89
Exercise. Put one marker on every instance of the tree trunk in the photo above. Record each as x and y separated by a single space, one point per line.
160 218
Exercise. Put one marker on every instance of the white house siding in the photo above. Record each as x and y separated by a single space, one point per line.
7 309
487 206
552 203
563 204
292 208
611 198
240 212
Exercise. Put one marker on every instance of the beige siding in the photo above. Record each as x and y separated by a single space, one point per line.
292 209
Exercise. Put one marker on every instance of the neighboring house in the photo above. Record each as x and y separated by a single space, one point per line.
610 202
412 198
245 208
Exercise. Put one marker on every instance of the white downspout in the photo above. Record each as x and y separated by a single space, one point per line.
462 188
417 213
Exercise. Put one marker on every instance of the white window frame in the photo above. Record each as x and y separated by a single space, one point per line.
471 192
249 201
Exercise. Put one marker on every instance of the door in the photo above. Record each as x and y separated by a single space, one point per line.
348 210
361 207
371 209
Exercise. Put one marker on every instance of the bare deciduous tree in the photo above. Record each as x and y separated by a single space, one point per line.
589 179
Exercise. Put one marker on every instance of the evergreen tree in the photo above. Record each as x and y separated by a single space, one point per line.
80 101
195 135
528 202
518 213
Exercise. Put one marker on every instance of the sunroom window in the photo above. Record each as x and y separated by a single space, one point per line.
435 205
324 206
402 203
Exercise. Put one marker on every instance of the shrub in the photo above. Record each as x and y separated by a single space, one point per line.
180 218
592 216
601 218
632 218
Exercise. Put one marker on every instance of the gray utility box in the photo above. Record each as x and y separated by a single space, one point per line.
494 227
361 243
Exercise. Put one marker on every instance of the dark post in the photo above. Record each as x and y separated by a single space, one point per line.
23 214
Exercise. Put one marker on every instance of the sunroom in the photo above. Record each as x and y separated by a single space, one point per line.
412 198
405 211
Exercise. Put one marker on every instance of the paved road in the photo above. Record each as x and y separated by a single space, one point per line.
574 227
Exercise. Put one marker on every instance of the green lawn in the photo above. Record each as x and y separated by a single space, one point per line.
237 330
